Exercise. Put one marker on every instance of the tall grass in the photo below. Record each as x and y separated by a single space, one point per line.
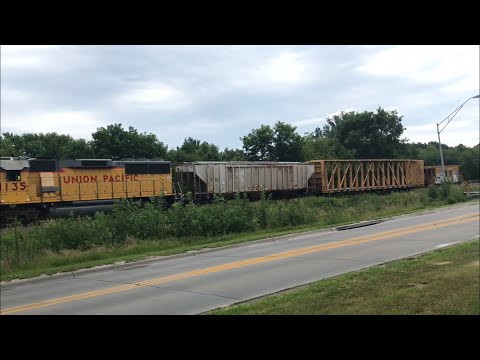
129 222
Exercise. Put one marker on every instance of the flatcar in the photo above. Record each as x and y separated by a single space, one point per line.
334 176
48 187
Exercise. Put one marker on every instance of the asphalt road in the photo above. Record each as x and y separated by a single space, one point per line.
201 281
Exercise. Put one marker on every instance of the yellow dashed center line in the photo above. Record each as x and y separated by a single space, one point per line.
243 263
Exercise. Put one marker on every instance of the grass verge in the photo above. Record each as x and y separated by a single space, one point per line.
441 282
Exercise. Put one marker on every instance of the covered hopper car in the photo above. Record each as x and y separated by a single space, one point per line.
206 178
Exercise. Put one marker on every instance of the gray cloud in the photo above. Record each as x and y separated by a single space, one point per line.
220 93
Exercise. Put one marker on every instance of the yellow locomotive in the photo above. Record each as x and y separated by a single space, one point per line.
49 187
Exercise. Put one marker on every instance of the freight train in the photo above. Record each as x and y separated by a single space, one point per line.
42 188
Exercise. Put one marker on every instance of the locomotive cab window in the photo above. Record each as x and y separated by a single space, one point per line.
13 175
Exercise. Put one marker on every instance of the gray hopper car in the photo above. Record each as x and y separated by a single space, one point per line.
205 178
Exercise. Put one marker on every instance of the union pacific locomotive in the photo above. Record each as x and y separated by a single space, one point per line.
36 188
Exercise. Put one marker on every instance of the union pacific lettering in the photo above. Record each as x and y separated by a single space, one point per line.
79 179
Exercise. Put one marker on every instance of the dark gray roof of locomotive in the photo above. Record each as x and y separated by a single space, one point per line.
13 164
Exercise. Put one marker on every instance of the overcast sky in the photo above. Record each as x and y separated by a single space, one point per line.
220 93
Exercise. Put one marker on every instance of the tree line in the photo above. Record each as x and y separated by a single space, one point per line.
349 135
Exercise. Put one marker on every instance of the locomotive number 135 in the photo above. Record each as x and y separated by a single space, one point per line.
13 186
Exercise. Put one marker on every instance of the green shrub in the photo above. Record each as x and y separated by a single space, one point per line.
159 202
456 195
424 198
262 210
445 190
432 192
